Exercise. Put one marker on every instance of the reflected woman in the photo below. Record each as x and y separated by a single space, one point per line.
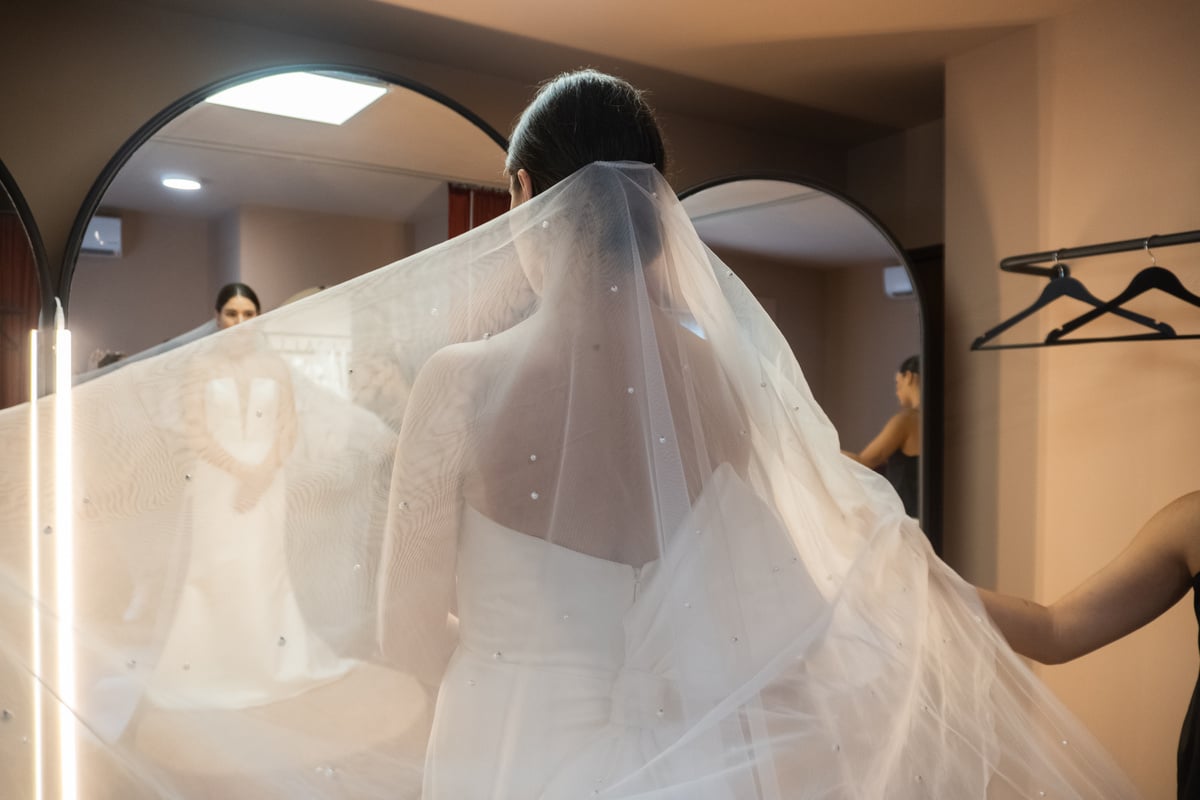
236 303
238 637
898 445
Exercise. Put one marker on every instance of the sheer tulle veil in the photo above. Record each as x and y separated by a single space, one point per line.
545 511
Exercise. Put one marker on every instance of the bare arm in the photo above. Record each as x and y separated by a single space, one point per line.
254 478
886 442
416 576
1146 579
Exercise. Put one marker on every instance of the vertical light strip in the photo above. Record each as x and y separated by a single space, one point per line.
35 564
64 562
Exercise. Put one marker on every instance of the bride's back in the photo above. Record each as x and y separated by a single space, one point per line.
594 420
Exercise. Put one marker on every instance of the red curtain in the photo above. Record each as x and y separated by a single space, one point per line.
470 207
19 295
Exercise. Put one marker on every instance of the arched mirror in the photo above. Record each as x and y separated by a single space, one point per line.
236 184
841 291
228 187
21 265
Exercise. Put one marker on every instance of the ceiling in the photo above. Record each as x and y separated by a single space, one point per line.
843 72
789 223
377 165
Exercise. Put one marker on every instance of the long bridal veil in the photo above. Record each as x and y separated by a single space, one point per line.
547 511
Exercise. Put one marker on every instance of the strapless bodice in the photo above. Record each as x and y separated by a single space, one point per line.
525 600
246 433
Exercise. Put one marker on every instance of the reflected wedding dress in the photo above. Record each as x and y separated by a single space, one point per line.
238 638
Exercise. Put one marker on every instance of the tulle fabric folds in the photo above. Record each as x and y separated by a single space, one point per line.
547 512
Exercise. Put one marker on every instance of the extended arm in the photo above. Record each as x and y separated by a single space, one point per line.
888 441
416 574
1146 579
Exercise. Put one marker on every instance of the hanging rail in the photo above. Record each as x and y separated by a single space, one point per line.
1063 285
1024 264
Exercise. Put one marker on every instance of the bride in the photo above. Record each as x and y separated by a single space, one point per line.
617 552
663 579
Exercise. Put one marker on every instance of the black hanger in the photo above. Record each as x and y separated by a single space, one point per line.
1152 277
1063 285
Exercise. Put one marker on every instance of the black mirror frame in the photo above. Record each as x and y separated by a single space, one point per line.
41 263
92 202
927 285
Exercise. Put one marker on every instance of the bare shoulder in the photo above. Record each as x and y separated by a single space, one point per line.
277 367
1176 526
453 379
905 420
1189 502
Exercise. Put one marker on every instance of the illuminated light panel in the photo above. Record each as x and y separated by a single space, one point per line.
64 560
35 560
302 95
181 184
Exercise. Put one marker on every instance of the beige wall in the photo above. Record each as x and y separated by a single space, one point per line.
158 288
172 266
866 335
1080 131
900 179
847 336
226 263
431 222
793 297
117 64
282 251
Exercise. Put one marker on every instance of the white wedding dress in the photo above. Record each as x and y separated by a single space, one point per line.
577 677
552 692
238 638
563 686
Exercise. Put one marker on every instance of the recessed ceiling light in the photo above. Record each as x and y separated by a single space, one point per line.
182 184
303 95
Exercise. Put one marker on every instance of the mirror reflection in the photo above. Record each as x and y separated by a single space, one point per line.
19 302
840 292
225 194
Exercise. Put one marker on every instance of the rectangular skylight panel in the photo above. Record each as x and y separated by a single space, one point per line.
302 95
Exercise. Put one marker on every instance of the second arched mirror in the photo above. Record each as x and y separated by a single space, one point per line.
238 186
840 289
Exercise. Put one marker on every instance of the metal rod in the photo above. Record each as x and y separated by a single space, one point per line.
1024 264
1138 337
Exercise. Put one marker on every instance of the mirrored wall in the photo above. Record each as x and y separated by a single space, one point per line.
223 193
840 290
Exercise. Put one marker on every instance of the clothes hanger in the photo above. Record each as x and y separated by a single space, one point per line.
1063 285
1152 277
